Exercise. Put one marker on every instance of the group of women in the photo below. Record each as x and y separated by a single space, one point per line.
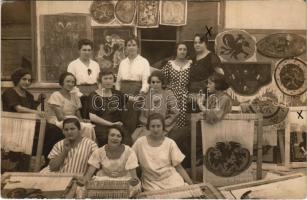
147 111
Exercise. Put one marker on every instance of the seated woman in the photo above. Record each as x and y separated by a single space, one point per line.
216 106
157 100
66 102
106 106
114 161
71 154
159 158
19 99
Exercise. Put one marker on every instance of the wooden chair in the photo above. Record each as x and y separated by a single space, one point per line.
13 121
257 118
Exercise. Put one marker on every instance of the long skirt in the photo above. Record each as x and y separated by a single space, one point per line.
131 113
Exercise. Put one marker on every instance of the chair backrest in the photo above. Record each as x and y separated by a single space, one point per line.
17 133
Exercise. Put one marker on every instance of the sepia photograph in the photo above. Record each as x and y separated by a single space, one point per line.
154 99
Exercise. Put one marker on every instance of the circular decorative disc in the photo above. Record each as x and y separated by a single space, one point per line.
235 45
125 10
102 11
291 76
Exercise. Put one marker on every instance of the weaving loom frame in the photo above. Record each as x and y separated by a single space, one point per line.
227 190
71 190
41 137
195 117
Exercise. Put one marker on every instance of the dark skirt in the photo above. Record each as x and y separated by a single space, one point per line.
131 113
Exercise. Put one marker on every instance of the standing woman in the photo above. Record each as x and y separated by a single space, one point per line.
177 74
205 64
132 78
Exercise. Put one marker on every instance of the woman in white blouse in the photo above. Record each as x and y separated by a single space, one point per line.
132 78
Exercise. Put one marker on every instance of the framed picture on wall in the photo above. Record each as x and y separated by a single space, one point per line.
109 45
296 132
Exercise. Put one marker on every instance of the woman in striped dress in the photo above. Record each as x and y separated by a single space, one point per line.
71 154
177 73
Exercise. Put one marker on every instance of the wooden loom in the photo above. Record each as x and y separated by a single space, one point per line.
51 185
197 191
107 189
12 123
276 188
228 118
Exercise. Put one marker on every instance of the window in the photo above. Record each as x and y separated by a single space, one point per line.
16 37
158 44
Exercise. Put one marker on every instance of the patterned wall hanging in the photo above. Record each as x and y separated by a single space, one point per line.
271 112
173 13
282 45
109 45
148 13
102 11
247 78
291 76
227 159
228 150
235 45
125 11
59 42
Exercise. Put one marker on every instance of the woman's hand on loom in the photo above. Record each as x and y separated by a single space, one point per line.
42 114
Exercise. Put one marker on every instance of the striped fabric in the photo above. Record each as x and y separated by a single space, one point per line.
77 158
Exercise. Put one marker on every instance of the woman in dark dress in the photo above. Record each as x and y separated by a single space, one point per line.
205 64
19 99
106 106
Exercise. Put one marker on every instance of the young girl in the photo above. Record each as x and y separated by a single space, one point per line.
157 100
114 161
214 108
66 102
159 158
218 103
71 154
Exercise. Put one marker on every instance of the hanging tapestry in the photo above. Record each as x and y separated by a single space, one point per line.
228 150
173 13
282 45
291 76
102 11
109 45
148 13
247 78
125 11
59 42
235 45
